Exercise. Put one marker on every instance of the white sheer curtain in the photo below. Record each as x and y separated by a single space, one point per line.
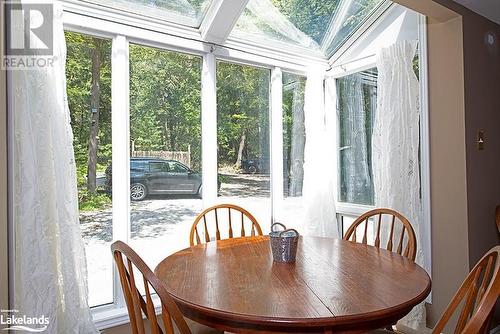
50 268
395 143
319 170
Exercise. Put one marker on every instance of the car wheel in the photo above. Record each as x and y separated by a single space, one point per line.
200 192
138 192
252 169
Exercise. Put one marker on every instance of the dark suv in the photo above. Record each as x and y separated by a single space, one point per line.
153 176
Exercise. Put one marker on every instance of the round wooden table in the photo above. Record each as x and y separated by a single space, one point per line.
334 286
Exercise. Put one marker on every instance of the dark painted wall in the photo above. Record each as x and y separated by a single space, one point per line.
482 113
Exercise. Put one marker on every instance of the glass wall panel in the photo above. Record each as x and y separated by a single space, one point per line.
243 138
165 146
294 140
294 134
88 73
185 12
357 103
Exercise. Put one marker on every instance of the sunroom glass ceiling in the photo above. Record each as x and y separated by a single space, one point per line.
320 26
317 25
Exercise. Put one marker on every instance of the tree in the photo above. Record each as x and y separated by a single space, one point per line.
94 119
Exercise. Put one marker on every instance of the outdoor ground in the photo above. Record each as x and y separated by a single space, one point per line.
160 226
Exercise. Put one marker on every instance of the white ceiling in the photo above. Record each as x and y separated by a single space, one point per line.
487 8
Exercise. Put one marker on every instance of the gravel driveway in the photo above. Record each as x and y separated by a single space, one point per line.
156 215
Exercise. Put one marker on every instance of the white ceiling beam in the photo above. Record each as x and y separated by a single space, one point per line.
221 19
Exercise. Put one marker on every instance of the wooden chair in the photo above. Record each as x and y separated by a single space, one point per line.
477 298
396 239
477 295
126 260
219 211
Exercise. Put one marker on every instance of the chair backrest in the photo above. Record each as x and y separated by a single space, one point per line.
231 214
497 217
126 260
477 295
400 239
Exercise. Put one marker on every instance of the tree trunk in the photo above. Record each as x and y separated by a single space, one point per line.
240 150
94 118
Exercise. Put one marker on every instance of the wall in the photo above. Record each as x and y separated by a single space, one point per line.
448 168
482 105
3 183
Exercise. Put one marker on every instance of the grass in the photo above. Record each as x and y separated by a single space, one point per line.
88 201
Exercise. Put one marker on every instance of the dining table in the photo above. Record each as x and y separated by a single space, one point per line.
334 286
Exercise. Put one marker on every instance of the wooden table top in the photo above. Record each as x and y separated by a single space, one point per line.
334 285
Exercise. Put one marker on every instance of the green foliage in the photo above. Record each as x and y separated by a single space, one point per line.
310 16
242 108
90 201
78 83
165 101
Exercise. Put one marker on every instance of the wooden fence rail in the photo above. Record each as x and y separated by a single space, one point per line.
181 156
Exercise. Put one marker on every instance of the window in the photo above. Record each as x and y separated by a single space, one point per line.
294 134
357 103
289 209
155 167
165 128
139 166
88 73
177 168
243 132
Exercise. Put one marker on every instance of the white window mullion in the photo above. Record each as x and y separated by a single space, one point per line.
277 143
209 129
120 121
425 146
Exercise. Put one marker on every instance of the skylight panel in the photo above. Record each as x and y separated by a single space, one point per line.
185 12
350 15
318 25
273 21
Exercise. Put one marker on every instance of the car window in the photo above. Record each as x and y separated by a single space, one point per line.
158 166
177 168
138 166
